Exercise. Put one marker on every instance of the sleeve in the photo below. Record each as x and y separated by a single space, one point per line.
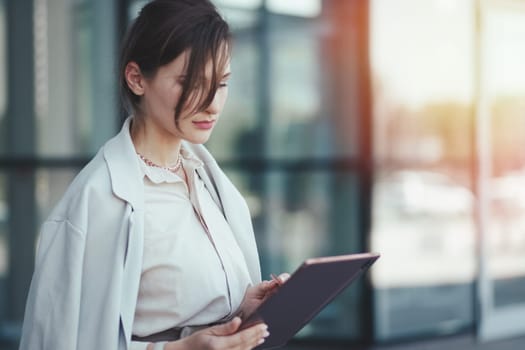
52 310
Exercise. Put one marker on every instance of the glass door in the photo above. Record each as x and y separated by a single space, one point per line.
422 222
501 170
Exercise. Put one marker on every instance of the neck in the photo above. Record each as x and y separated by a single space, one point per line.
154 143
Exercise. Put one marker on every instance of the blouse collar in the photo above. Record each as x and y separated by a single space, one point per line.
157 175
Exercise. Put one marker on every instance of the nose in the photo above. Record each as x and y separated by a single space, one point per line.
215 106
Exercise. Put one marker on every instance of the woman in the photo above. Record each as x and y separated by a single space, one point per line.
152 247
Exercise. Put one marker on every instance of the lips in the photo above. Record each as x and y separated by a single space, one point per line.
204 124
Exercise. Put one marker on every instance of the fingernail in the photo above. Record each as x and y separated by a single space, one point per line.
266 333
260 341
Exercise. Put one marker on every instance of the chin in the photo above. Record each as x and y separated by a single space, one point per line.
198 140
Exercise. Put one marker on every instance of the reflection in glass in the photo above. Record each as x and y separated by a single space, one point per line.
506 238
4 246
422 218
236 133
4 251
243 4
303 8
299 215
76 105
240 19
299 128
3 79
425 217
505 89
292 119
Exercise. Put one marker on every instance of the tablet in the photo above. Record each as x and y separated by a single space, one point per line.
308 290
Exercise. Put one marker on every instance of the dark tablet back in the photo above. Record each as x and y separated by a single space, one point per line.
308 290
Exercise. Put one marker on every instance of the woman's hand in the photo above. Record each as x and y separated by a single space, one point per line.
223 337
255 295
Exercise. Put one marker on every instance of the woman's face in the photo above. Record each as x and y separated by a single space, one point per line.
161 95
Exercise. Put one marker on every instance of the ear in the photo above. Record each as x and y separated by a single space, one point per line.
134 78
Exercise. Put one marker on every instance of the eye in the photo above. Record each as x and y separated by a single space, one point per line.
224 80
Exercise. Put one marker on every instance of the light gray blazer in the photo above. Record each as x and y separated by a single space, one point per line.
89 258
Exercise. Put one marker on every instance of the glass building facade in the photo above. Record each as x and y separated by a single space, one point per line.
395 126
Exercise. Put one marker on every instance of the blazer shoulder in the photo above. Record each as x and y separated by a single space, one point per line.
89 193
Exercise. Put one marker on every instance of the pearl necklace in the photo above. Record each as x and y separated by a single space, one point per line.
172 169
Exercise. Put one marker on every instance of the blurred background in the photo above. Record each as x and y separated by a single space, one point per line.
395 126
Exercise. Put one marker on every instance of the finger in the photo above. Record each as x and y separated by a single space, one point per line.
249 337
272 285
275 279
279 280
226 328
284 277
264 287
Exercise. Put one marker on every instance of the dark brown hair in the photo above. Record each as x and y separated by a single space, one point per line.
163 30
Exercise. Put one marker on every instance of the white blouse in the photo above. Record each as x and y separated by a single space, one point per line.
194 272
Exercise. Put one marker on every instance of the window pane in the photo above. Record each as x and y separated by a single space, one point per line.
4 251
314 214
304 214
238 128
240 20
274 106
298 125
3 79
306 8
76 102
505 84
246 4
4 212
422 54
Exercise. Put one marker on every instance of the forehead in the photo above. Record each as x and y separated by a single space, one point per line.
179 65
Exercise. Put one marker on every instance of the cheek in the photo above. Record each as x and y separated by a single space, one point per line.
223 96
169 93
161 99
174 95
